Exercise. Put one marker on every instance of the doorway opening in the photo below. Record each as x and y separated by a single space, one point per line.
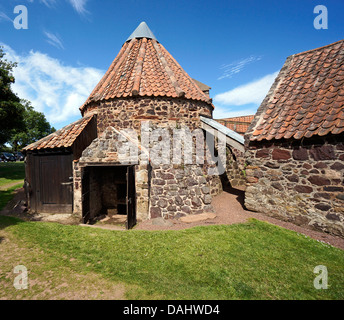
108 194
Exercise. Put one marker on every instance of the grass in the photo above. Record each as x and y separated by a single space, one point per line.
11 172
12 176
7 195
254 260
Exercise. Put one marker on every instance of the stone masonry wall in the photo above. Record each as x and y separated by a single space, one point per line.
235 169
300 182
128 113
168 190
181 190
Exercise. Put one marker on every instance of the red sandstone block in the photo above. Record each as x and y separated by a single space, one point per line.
279 154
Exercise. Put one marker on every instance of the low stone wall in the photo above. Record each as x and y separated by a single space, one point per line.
298 182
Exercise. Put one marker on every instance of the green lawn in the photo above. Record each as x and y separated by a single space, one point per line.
11 172
255 260
12 176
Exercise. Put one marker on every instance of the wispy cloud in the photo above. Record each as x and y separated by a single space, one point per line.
252 92
79 6
54 40
52 87
5 17
229 70
48 3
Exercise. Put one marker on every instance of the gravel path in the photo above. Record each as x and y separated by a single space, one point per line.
229 210
10 185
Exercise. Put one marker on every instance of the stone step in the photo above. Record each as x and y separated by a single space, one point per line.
198 217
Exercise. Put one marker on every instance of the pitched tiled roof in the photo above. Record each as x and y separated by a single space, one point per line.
144 67
237 124
62 138
306 99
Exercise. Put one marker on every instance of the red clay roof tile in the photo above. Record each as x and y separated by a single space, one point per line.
237 124
307 97
62 138
144 67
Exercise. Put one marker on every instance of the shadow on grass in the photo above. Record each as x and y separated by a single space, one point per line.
12 170
5 197
7 222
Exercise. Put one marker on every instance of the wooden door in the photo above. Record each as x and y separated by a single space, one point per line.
85 182
55 184
131 198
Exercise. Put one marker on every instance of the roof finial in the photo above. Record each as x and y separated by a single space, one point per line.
142 31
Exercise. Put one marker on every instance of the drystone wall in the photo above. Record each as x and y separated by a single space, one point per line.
300 182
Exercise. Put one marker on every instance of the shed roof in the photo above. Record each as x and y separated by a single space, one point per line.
62 138
306 99
144 67
237 124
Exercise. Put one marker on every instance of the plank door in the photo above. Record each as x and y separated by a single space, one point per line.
55 184
131 198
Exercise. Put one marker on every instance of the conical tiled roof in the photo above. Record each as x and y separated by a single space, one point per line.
144 67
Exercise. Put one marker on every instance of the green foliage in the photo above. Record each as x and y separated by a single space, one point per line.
35 127
11 110
20 124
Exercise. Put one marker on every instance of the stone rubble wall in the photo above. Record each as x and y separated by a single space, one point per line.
163 190
177 191
298 182
235 168
77 189
128 113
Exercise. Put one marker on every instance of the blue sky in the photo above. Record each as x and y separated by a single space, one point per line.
236 47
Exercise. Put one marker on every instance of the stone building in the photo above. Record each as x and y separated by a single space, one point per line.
142 103
295 144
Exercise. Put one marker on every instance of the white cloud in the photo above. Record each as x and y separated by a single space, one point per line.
252 92
54 40
229 70
52 87
222 112
79 6
48 3
4 16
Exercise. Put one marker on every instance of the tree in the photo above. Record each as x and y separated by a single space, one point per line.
35 127
11 110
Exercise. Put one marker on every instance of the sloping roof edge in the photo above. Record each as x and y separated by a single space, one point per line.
306 98
264 105
234 139
62 138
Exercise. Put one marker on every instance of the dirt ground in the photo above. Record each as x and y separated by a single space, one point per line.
228 207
